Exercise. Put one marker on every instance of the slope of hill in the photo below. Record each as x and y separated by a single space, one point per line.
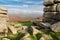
26 17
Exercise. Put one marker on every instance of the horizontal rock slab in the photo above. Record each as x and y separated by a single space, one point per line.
49 17
50 14
3 10
50 8
48 2
51 21
57 1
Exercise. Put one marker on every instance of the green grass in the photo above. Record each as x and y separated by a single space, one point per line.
17 36
26 23
0 38
22 23
36 37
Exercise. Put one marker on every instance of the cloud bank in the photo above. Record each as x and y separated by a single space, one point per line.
23 6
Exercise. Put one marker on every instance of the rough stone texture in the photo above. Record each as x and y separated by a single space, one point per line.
5 39
48 2
3 10
58 7
50 8
49 17
35 31
46 37
52 14
56 1
27 37
56 27
3 21
12 29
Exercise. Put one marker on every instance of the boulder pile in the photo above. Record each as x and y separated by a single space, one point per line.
3 22
52 13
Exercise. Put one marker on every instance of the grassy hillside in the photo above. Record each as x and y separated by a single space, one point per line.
22 23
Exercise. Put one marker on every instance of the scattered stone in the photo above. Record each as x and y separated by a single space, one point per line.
35 31
24 27
42 38
5 39
12 29
27 37
46 37
19 29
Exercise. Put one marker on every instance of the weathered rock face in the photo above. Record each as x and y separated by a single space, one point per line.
3 20
46 37
57 1
52 14
56 27
12 29
58 7
50 8
3 10
48 2
5 39
49 16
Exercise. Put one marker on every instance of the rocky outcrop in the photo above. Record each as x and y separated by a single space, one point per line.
52 14
56 27
3 21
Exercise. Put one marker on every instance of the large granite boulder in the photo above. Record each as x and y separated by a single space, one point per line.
3 20
57 1
48 2
50 8
3 10
56 27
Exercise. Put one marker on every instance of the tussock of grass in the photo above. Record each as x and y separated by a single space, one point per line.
37 36
18 36
0 38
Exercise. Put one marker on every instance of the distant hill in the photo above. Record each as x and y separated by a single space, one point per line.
21 18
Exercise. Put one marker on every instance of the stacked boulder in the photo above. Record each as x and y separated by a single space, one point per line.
3 22
51 11
52 14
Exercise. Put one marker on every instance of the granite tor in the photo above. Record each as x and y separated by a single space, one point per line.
3 22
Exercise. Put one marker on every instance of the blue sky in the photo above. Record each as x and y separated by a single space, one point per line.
23 6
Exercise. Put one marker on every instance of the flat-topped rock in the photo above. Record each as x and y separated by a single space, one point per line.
5 39
3 10
48 2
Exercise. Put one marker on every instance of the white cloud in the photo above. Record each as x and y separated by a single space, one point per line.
28 1
25 11
25 8
16 0
34 2
13 9
11 6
